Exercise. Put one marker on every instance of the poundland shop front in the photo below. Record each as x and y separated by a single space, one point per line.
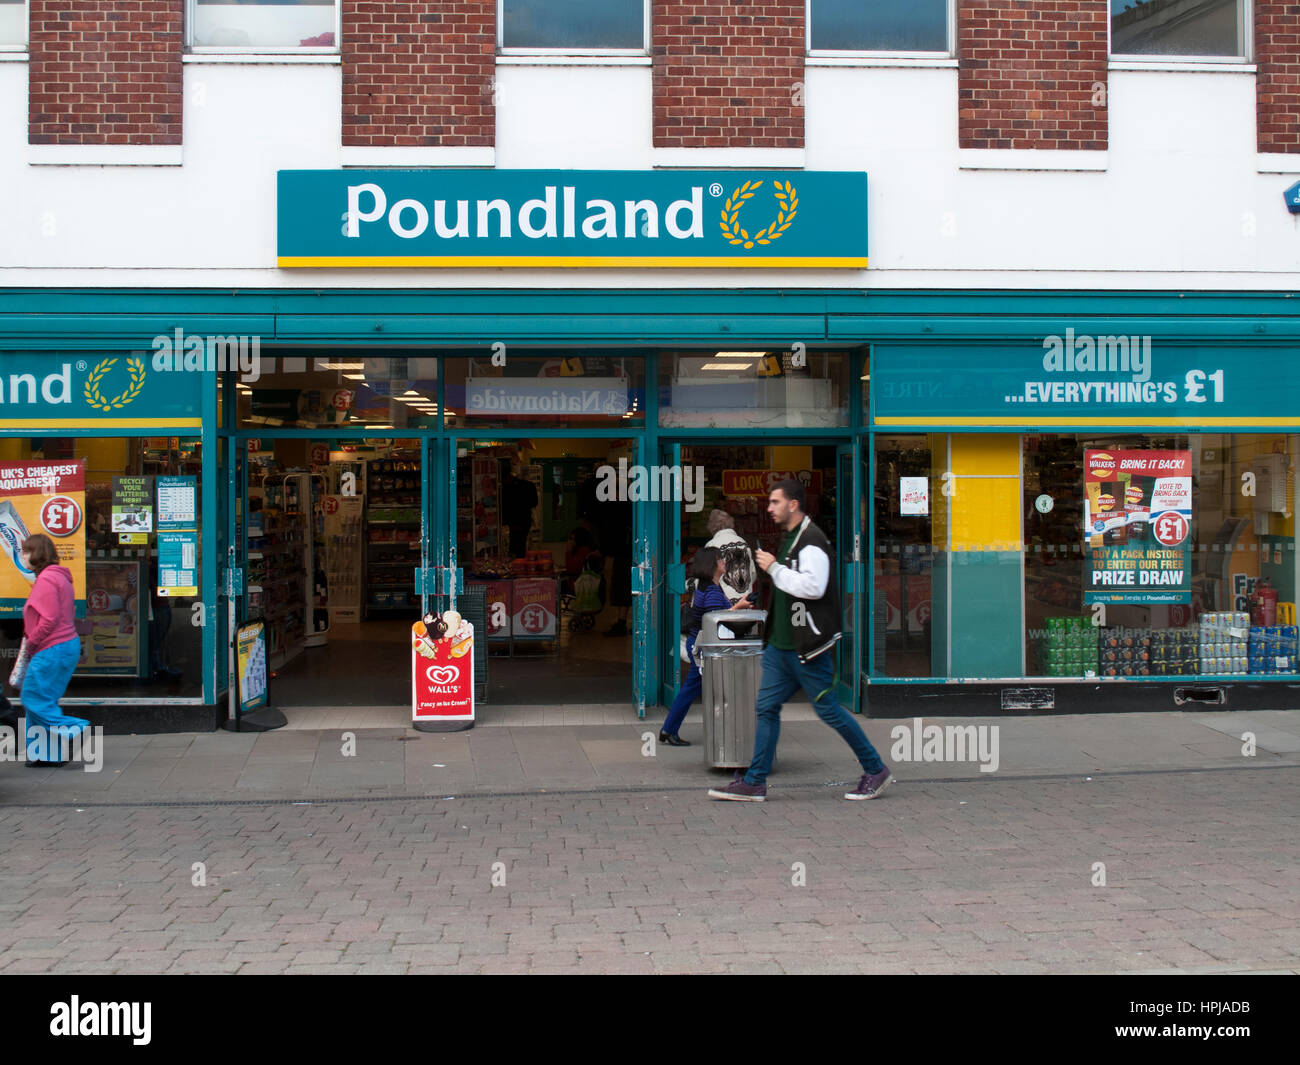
1038 500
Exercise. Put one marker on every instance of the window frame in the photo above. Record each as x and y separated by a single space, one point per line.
644 50
855 53
1245 30
26 43
229 49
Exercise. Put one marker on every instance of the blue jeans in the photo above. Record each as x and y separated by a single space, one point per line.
783 675
687 694
47 678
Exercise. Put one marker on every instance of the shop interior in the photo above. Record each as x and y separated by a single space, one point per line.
904 560
334 542
737 480
333 546
135 641
1107 589
1239 544
552 561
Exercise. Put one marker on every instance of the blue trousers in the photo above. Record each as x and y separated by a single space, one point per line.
47 678
687 694
783 675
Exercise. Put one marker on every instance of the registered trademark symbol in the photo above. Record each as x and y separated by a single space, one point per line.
81 364
715 189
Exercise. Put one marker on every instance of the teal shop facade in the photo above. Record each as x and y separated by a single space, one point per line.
949 387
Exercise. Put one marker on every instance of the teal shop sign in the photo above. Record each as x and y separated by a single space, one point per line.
39 390
574 218
1075 380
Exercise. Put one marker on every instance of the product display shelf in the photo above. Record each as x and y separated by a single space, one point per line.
278 571
392 536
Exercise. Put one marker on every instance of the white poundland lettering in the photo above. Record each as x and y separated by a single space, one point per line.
22 387
544 217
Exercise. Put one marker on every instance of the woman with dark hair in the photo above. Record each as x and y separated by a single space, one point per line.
707 567
53 649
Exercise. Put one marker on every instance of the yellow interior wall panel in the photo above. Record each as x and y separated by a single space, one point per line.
986 514
986 454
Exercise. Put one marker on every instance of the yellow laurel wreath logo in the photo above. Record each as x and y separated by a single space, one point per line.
786 196
135 372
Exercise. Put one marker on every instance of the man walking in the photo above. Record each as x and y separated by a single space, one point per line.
804 626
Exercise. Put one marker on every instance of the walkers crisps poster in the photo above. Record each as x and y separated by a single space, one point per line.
1137 524
41 497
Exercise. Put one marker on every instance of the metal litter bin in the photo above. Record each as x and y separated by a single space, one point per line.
731 667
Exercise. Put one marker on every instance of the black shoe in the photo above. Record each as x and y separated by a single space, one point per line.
619 628
36 764
673 740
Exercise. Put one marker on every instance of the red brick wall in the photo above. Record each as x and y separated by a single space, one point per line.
419 72
105 72
1030 73
1277 84
728 74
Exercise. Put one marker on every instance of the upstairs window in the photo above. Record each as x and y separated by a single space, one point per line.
883 26
264 25
13 25
1199 29
576 27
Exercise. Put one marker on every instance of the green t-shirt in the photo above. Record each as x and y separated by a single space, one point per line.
782 635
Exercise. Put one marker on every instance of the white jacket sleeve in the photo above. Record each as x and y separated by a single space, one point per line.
809 580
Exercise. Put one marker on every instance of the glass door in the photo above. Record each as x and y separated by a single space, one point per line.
235 585
440 578
849 538
670 667
644 597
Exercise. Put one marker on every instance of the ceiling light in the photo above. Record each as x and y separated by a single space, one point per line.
727 366
355 376
741 354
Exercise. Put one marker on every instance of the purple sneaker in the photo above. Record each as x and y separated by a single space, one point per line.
739 791
871 785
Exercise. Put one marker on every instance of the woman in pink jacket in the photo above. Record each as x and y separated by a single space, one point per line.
54 649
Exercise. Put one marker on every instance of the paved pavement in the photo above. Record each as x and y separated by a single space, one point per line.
1104 843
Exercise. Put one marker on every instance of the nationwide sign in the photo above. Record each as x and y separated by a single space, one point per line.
575 218
529 397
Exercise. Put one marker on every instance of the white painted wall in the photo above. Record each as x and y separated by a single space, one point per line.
1180 205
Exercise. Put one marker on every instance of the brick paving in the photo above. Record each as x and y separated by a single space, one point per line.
993 874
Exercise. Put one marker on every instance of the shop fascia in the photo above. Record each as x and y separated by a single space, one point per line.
22 387
553 214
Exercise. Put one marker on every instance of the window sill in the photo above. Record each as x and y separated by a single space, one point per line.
1184 66
552 60
1062 159
14 56
1277 163
866 60
277 58
419 156
728 158
104 155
